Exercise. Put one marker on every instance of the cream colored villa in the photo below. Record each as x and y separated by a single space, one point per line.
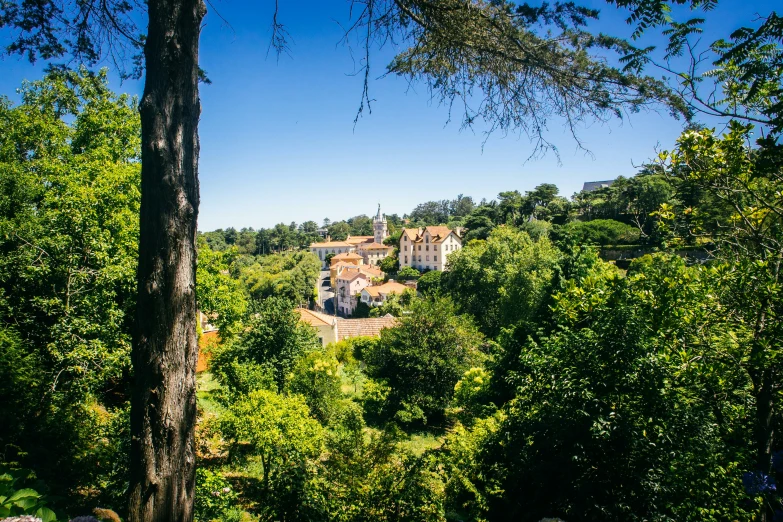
331 247
428 248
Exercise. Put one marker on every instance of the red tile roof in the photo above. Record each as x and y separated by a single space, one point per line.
370 327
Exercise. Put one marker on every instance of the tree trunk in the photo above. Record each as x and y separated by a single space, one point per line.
165 349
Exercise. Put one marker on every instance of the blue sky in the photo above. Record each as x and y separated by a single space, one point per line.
278 142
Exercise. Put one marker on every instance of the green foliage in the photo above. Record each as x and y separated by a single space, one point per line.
369 477
214 496
628 411
291 275
16 500
600 232
69 210
429 283
217 293
408 273
395 304
502 280
316 377
390 264
273 338
280 431
472 396
421 359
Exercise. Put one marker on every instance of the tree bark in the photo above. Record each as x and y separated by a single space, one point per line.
165 349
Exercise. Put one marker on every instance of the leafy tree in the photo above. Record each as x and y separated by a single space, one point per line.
281 432
600 232
218 294
429 283
502 280
339 231
612 408
395 304
390 264
68 240
407 273
316 377
292 275
360 226
273 337
370 477
745 184
422 358
214 496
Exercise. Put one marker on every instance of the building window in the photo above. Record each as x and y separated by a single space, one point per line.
420 259
419 248
427 239
435 258
428 258
405 238
406 259
427 247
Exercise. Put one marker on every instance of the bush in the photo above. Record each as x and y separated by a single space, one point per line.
429 283
600 232
407 273
214 496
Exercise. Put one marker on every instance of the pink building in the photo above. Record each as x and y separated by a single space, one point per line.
350 283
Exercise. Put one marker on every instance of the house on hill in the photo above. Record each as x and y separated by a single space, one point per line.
332 329
376 295
428 248
321 250
350 282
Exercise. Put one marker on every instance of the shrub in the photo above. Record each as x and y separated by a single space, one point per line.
214 495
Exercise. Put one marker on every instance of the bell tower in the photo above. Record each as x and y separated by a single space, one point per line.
379 227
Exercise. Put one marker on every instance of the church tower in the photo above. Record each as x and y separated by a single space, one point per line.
379 226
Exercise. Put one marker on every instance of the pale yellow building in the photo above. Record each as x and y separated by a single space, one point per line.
428 248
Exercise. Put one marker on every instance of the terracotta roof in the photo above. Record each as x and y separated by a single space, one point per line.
314 318
386 289
370 327
355 240
347 255
343 264
438 233
371 270
331 244
411 233
349 274
373 245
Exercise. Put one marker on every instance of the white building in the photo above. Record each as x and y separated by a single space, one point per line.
330 247
428 248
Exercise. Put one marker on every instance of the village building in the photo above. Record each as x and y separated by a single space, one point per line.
377 295
349 283
428 248
332 329
321 250
370 248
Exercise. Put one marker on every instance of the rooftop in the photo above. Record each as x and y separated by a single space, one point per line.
330 244
590 186
370 327
314 318
392 287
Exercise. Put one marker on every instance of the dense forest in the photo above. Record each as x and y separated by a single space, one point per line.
532 379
